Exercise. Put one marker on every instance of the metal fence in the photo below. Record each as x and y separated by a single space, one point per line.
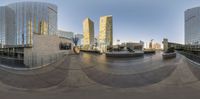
193 57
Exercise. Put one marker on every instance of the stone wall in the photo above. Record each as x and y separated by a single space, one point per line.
45 50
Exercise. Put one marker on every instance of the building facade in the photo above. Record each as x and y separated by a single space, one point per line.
157 46
88 33
65 34
80 39
105 32
167 45
30 18
28 33
192 24
135 46
7 27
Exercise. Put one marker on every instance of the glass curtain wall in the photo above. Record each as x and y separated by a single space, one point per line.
33 18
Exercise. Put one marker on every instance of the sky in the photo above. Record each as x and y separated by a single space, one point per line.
133 20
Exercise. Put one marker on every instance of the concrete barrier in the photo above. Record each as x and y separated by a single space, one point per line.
91 51
169 55
124 54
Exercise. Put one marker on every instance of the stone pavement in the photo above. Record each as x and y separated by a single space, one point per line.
35 79
90 76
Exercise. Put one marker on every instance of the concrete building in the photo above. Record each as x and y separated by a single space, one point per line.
151 44
66 42
192 24
88 33
105 32
28 32
65 34
167 45
157 46
135 46
80 39
95 47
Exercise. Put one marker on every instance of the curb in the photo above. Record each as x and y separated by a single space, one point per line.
191 61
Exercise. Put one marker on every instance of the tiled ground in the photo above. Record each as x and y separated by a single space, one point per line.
89 76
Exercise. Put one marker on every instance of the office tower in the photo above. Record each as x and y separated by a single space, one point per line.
88 33
28 30
105 32
192 24
7 27
32 18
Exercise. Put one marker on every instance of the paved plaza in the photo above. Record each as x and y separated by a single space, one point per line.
93 76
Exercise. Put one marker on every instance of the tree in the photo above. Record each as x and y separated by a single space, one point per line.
170 50
75 40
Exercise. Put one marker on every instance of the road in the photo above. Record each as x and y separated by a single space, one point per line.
93 76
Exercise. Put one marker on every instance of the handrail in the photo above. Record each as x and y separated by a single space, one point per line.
193 57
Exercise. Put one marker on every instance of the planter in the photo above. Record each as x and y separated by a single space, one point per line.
169 55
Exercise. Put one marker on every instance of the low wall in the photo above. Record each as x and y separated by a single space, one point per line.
45 50
193 57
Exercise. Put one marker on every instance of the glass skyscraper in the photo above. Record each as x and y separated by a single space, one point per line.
23 20
192 26
7 28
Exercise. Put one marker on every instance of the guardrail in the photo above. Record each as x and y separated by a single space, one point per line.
91 51
192 47
193 57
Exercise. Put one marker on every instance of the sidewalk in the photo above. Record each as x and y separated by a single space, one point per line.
73 81
44 77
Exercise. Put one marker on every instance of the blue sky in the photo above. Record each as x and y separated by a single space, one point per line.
133 20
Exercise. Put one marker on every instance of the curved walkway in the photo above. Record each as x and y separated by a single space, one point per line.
91 69
133 73
89 76
46 77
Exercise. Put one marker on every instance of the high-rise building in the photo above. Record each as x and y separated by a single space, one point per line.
30 30
7 27
23 19
192 24
105 32
157 46
151 44
88 33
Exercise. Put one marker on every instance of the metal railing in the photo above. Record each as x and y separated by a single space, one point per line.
193 57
